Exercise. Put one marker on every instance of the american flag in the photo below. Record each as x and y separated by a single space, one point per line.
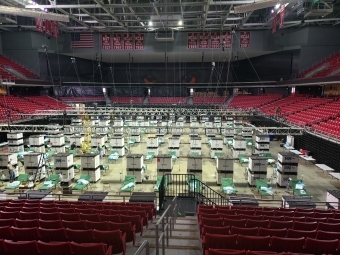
84 40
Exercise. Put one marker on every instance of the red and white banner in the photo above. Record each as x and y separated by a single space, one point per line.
139 41
215 40
106 42
227 39
244 39
128 41
48 27
192 40
39 24
117 42
282 16
274 23
204 40
55 28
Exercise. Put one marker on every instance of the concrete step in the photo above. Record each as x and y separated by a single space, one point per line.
187 228
186 244
175 235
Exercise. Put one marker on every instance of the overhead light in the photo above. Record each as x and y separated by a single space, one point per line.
277 6
272 11
180 23
150 23
33 14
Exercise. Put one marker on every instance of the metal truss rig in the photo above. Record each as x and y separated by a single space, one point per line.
146 111
30 128
280 130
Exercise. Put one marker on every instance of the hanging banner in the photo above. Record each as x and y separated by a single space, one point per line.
48 27
128 41
117 41
106 42
39 24
139 41
227 39
55 28
215 40
282 16
274 23
244 39
192 40
204 40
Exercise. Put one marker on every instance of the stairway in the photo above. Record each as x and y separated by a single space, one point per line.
185 239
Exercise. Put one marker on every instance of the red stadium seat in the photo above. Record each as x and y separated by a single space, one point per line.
50 224
69 216
29 215
30 209
48 209
109 218
54 248
325 235
317 247
91 249
306 226
77 225
272 232
66 210
224 252
142 215
292 233
80 236
244 231
219 241
113 238
125 227
27 223
49 216
90 217
21 248
257 223
330 227
25 234
216 230
135 220
234 223
7 222
52 235
280 244
101 225
253 243
6 233
9 215
280 224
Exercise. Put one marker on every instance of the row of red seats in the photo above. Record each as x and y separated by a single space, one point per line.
6 76
134 218
267 243
21 105
252 101
8 247
209 100
82 99
48 101
278 232
270 109
51 228
238 252
168 100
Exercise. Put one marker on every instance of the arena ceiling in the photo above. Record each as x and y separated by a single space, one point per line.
181 15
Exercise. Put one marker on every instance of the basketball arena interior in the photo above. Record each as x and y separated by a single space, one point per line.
169 127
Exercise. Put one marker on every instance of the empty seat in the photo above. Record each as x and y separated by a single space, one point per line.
6 233
257 223
80 236
29 215
7 222
280 244
83 210
79 225
49 216
54 248
308 219
125 227
66 210
230 216
219 241
272 232
331 227
50 224
48 209
225 252
9 215
109 218
25 234
52 235
27 223
101 225
295 218
30 209
253 243
280 224
306 226
317 247
221 210
234 223
69 216
21 248
113 238
284 213
12 209
292 233
246 212
91 249
303 214
251 217
90 217
215 230
267 213
326 235
243 231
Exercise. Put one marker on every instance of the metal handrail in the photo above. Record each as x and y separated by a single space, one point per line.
144 246
167 220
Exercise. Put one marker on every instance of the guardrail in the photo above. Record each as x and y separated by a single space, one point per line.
144 246
167 224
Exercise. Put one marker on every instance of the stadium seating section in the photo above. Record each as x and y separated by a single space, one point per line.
211 100
6 62
247 230
328 67
35 225
247 102
167 100
127 100
47 101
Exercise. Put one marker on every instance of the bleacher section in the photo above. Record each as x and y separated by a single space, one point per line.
249 229
47 101
82 99
167 100
6 62
330 127
41 222
127 100
270 109
21 105
5 76
328 67
247 102
14 115
211 100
